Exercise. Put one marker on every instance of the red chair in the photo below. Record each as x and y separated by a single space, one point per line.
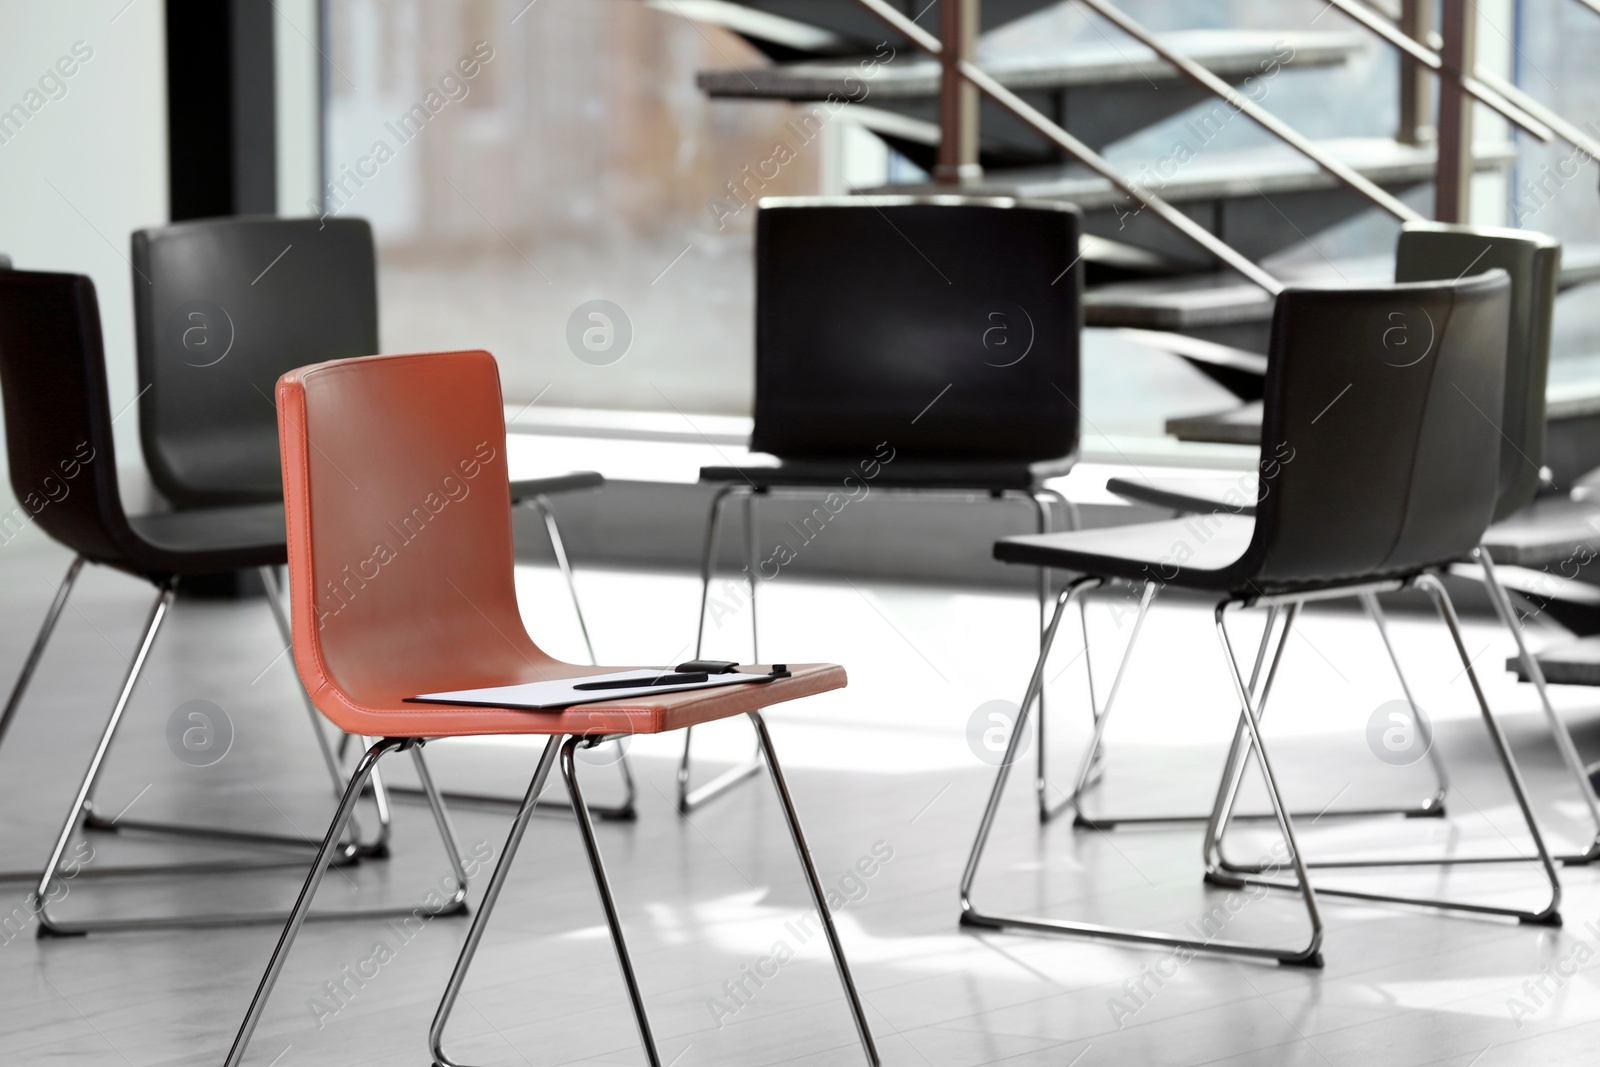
400 576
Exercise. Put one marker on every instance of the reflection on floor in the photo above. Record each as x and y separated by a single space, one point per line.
890 789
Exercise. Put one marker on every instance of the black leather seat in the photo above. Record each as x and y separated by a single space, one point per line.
1529 531
942 332
223 308
1378 491
64 470
59 433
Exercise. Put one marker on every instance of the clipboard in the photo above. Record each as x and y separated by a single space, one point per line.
593 689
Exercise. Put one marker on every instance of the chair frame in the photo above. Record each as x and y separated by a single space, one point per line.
565 746
689 799
82 814
1571 760
1253 696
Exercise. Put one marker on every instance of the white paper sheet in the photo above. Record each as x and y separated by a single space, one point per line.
559 693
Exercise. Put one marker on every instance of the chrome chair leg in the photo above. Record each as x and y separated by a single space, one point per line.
1041 507
690 799
1102 718
205 833
158 611
559 548
567 748
491 894
456 904
52 926
591 847
36 653
379 847
1558 728
972 917
818 899
95 822
1431 806
1549 915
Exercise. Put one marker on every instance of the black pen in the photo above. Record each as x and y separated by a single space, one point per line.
668 678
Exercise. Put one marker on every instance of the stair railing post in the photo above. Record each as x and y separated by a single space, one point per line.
958 98
1453 185
1416 79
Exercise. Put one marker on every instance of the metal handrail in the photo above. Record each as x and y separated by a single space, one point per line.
1514 105
1076 148
1264 118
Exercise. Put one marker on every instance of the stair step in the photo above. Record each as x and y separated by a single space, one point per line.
854 23
1262 201
1235 175
1227 53
1564 402
1200 301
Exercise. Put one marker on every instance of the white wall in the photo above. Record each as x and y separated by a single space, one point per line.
89 166
299 119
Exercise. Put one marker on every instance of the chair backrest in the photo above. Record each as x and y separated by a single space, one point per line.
222 308
399 525
1380 452
1437 251
948 326
58 412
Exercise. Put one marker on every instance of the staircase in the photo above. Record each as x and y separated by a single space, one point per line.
1269 202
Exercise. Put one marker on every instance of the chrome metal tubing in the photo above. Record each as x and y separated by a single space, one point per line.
597 866
1548 915
378 847
95 822
624 811
1430 807
456 905
158 611
1102 718
1080 151
63 591
1558 729
558 546
818 899
690 799
519 827
491 894
1202 77
972 917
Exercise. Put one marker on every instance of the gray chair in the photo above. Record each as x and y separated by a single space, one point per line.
1381 497
214 335
1529 530
911 369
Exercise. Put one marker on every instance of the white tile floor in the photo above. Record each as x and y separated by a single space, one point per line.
883 765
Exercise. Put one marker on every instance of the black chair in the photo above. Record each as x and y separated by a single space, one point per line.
1529 530
1379 492
63 469
223 307
905 344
